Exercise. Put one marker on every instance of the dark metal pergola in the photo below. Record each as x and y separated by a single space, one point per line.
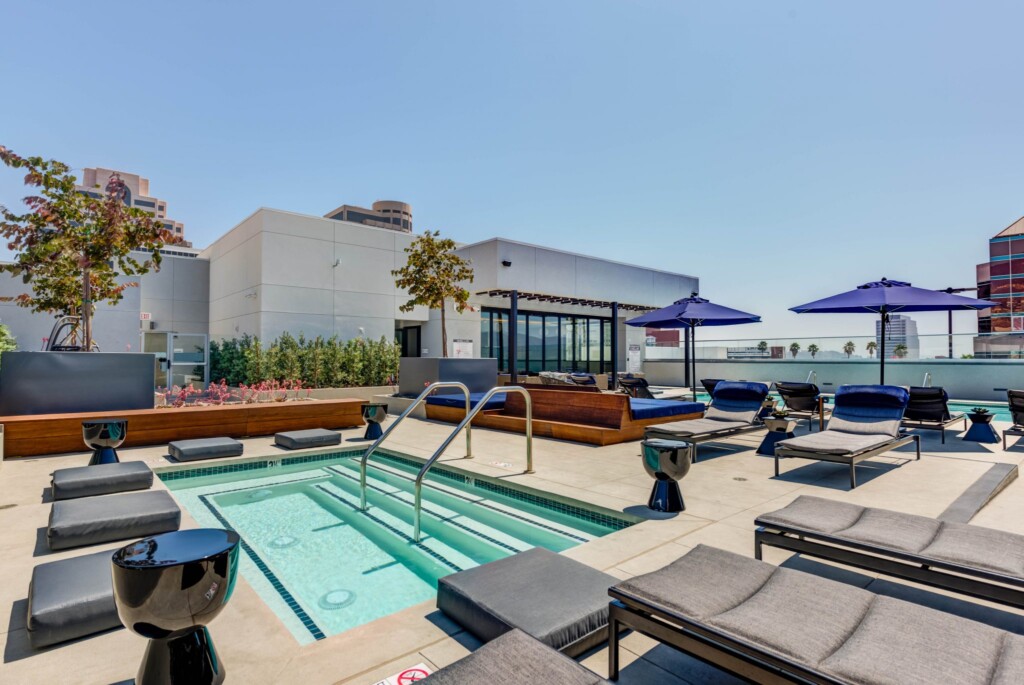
514 296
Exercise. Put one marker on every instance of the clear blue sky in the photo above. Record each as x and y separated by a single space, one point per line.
782 151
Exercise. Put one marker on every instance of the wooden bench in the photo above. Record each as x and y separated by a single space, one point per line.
575 414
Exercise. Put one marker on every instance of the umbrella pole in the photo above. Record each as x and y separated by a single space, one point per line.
693 361
881 351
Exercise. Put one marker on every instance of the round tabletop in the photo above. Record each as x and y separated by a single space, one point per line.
179 547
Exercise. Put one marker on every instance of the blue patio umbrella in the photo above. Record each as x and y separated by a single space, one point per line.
691 312
886 297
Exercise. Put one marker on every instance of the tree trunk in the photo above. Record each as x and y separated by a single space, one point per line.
86 320
444 333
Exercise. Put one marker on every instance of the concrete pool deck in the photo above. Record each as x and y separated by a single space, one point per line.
723 493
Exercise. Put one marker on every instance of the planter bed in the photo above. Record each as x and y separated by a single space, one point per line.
26 436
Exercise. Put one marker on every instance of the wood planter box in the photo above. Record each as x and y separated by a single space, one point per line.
26 436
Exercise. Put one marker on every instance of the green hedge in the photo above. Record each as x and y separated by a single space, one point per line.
318 362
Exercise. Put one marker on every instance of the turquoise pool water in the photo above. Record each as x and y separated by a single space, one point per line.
1000 409
324 566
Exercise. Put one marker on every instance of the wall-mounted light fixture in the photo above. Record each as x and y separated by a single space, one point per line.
506 262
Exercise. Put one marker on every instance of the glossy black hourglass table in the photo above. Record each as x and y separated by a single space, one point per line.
103 436
374 415
168 588
667 462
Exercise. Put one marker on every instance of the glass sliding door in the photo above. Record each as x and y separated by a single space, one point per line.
548 342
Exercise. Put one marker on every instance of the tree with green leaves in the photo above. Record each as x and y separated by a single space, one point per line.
433 275
900 351
72 246
871 347
848 348
762 346
813 349
794 349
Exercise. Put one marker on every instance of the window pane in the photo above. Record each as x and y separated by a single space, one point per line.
535 343
581 344
606 354
568 343
500 339
1001 268
551 343
595 344
521 342
485 335
999 249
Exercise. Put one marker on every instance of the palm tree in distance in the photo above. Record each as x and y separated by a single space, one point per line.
848 348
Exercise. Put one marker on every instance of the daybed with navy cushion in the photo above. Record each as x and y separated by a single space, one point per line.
865 423
734 409
771 624
580 414
459 401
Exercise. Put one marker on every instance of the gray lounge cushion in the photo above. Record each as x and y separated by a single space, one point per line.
555 599
204 448
314 437
956 543
71 598
101 479
514 658
829 627
839 443
694 427
93 520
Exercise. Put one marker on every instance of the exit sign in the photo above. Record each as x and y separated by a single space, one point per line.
145 316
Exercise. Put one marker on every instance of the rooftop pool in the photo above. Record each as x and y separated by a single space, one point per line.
324 566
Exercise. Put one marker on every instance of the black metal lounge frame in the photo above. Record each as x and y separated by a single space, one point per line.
965 580
695 439
1015 400
923 424
1017 431
702 642
783 452
804 401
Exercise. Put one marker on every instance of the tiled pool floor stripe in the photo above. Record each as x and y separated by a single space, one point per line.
444 560
485 505
450 520
299 612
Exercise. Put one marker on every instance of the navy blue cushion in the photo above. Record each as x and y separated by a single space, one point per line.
740 391
459 400
656 409
875 396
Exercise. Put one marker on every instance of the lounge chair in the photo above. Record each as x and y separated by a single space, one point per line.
803 401
928 409
583 378
1015 399
770 625
515 658
734 409
637 388
709 385
977 561
865 423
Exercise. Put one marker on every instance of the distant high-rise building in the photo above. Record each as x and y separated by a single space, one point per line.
1001 279
385 214
901 330
94 181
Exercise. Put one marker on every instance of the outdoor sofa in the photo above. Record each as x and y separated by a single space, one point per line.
803 401
770 624
972 560
928 409
1015 399
580 414
865 423
734 409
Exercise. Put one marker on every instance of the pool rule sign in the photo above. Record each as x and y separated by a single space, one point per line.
407 676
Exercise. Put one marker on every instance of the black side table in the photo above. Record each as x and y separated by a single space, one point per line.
778 429
103 436
168 588
667 462
981 429
374 415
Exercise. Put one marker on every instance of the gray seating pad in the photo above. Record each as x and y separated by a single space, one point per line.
839 443
93 520
555 599
514 658
101 479
71 598
204 448
694 427
956 543
842 631
314 437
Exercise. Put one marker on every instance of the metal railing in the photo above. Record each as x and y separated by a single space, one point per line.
466 424
422 396
812 377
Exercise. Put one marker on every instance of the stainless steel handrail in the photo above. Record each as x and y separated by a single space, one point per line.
466 424
422 396
812 377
